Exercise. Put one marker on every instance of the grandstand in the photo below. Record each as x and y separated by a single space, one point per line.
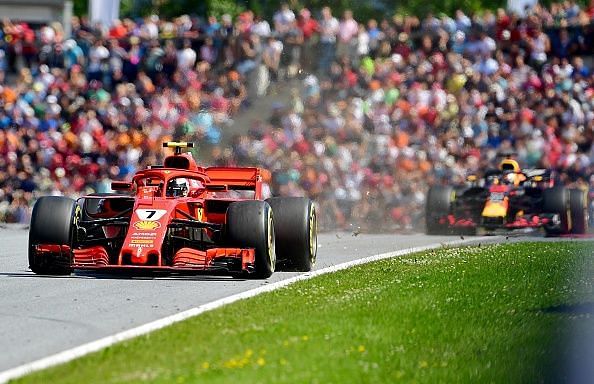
380 108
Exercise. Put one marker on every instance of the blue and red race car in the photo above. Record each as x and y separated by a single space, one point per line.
507 198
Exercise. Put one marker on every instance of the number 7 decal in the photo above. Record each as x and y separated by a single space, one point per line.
150 214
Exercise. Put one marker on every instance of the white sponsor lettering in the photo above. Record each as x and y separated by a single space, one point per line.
143 235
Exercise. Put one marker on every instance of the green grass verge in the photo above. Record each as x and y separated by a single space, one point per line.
475 314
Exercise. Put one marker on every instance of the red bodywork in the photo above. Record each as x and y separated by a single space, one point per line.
149 230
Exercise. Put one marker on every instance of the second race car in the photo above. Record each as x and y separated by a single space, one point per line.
507 198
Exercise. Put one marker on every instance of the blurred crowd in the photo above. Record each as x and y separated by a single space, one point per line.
79 111
403 103
380 109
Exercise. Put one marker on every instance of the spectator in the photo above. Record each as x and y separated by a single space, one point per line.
347 36
261 27
540 46
329 28
293 45
272 56
283 19
169 60
213 27
463 22
186 57
309 28
563 45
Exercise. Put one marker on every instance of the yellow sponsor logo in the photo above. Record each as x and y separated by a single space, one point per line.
146 225
141 241
493 209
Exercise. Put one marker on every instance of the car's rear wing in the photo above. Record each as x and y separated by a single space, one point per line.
245 178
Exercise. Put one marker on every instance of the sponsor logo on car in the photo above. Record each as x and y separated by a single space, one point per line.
142 241
144 235
150 214
146 225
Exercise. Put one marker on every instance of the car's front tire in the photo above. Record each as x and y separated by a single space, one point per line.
556 200
439 202
51 224
250 225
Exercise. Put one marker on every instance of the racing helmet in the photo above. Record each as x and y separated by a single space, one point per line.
511 171
509 165
177 187
509 177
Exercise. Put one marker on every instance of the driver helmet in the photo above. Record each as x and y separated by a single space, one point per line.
177 187
509 177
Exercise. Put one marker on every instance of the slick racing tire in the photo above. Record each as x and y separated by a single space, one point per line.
250 225
438 205
578 207
295 228
51 223
556 200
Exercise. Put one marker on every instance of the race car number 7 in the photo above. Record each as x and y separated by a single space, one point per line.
150 214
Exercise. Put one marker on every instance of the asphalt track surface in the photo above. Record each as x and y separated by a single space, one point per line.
43 315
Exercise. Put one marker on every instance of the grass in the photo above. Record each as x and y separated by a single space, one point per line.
474 314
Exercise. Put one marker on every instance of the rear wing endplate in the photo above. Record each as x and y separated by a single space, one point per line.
245 178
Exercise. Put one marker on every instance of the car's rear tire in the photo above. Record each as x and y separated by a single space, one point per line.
250 225
51 223
556 200
295 228
438 206
578 206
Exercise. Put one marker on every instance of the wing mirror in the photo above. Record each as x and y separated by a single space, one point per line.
195 193
121 186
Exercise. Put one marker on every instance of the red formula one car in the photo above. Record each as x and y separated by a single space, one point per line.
178 217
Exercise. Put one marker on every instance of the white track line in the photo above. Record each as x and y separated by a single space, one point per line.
85 349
